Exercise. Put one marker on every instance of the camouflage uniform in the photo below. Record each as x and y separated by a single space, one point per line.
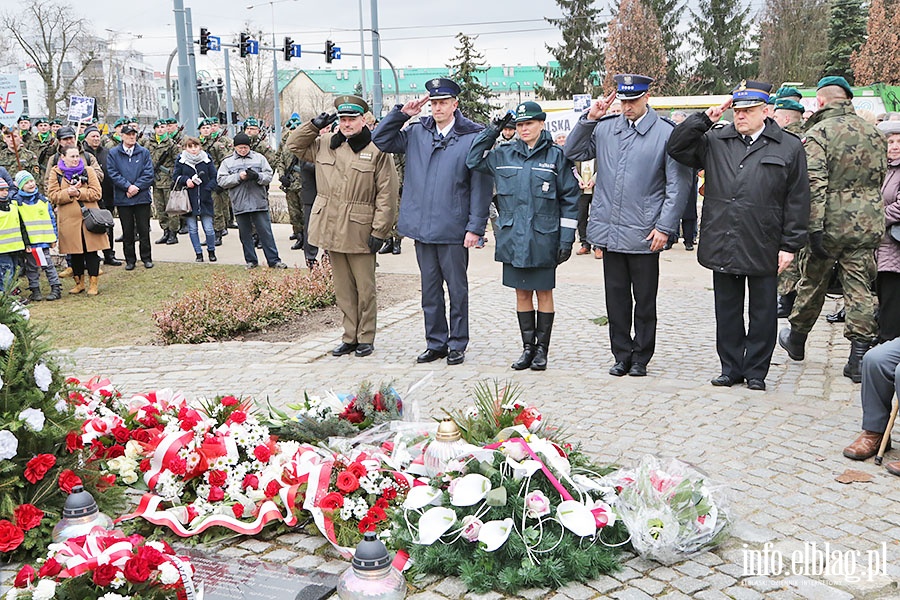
43 145
112 141
164 152
27 159
847 164
218 147
289 176
787 279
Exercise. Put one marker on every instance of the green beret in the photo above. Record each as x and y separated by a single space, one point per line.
158 123
119 121
213 120
785 92
251 122
171 121
206 121
838 81
24 117
789 104
41 120
56 122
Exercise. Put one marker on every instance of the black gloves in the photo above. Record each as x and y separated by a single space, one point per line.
375 244
816 245
252 175
500 122
324 120
219 189
563 255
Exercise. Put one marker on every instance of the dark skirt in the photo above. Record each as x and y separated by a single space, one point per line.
536 278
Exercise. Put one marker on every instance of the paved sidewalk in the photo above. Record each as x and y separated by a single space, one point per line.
778 452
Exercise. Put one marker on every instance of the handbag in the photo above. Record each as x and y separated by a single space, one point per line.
179 203
96 220
894 230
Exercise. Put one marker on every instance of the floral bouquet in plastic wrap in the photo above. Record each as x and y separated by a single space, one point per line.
670 509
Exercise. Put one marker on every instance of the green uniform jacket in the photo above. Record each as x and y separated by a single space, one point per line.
847 162
164 154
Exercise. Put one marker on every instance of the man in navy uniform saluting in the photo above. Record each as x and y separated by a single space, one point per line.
444 208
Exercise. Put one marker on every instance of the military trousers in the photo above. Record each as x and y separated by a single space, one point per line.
295 210
354 291
788 279
856 271
166 221
221 210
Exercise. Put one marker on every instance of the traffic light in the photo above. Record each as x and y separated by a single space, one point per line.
329 51
244 44
288 48
204 40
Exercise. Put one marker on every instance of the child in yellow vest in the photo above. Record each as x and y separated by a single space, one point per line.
39 233
10 238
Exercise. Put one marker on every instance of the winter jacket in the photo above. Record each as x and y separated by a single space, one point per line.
70 223
639 187
442 199
757 197
888 253
356 189
13 190
201 196
537 197
125 171
246 195
308 182
106 184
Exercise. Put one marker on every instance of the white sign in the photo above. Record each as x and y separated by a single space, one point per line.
561 122
11 103
581 102
81 109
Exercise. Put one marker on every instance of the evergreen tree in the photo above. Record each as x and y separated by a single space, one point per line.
846 33
474 99
579 58
668 15
723 44
783 54
634 44
878 58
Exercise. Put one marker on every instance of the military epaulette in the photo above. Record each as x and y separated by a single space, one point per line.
669 121
719 125
605 117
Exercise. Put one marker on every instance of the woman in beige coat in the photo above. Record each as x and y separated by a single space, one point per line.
70 183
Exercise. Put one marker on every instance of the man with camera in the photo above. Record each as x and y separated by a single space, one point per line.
246 175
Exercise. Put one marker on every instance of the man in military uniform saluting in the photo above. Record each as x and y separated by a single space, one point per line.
847 163
353 212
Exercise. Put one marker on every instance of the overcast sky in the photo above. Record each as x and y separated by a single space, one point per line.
419 34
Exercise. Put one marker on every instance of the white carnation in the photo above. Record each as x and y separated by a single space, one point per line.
6 337
45 590
168 573
33 417
61 405
42 377
9 445
112 596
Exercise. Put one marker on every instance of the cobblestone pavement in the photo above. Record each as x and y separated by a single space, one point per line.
777 452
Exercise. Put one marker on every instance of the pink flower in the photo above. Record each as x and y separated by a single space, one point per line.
662 482
603 514
262 453
536 504
471 527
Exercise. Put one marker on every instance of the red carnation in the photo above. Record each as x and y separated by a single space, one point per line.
104 574
331 501
145 465
51 568
238 510
115 451
389 493
76 397
73 442
24 576
28 516
237 416
136 570
189 422
192 513
357 469
229 401
73 381
67 480
367 523
218 477
272 488
216 494
151 555
11 536
38 466
262 453
177 465
347 482
250 481
122 434
353 414
105 393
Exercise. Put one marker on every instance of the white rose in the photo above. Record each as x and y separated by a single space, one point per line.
128 477
168 574
6 337
45 590
33 417
9 445
133 449
42 377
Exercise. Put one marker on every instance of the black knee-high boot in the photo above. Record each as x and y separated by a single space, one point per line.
526 326
542 340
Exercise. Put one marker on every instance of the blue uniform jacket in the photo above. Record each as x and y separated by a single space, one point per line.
537 196
125 171
442 199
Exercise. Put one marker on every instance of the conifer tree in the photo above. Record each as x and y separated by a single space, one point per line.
634 44
580 57
723 43
783 54
474 98
846 33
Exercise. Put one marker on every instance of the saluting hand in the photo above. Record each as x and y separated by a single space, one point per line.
600 106
414 107
715 112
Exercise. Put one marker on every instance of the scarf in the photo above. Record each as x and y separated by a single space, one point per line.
356 143
192 160
70 172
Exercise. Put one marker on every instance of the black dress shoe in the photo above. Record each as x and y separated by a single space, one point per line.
118 239
456 357
396 248
293 236
756 384
638 370
148 264
689 246
619 369
387 247
431 355
112 261
725 381
364 349
129 266
837 317
344 348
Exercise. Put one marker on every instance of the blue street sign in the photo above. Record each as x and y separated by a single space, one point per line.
295 50
336 52
215 43
252 46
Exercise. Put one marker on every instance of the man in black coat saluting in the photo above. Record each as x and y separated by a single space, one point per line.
755 215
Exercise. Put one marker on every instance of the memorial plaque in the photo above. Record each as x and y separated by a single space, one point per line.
248 579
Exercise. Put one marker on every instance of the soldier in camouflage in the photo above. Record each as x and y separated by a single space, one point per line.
43 145
15 155
288 166
164 152
847 163
25 128
218 147
115 138
789 115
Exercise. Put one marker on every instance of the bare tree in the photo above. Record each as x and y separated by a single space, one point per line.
307 103
253 85
56 41
634 44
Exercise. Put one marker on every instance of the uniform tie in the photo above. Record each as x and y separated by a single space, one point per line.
748 140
